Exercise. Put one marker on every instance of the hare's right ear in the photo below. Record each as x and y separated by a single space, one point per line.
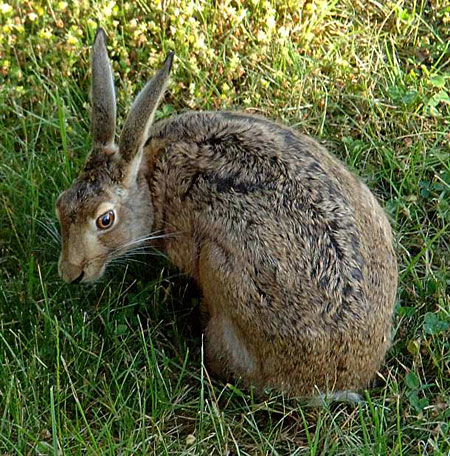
103 119
139 120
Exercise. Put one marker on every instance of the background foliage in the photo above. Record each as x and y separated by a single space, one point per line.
117 368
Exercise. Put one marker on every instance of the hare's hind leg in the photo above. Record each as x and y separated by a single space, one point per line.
226 352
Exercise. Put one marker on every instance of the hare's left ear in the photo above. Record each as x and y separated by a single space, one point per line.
103 120
139 120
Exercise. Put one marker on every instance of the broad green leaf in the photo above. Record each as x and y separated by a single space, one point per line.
438 80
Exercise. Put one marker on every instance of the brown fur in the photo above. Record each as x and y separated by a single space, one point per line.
292 252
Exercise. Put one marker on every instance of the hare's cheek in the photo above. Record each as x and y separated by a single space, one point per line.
114 239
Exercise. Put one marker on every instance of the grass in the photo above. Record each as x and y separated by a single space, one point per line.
117 368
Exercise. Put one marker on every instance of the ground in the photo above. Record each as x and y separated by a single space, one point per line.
117 368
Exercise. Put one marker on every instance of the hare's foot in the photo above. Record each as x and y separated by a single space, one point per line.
321 400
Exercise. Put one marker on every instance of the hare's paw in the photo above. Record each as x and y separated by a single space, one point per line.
321 400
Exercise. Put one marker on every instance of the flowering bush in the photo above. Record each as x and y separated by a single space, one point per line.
275 56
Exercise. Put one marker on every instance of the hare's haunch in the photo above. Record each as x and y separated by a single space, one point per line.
292 252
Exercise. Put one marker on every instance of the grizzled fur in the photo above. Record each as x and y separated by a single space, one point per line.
292 252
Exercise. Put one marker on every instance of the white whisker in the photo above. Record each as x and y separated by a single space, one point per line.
128 247
50 229
148 237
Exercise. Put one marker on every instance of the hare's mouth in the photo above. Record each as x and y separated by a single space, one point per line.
78 279
88 274
91 274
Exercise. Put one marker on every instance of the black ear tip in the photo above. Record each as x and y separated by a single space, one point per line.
100 33
169 60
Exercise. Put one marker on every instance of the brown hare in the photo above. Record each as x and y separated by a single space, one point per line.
293 254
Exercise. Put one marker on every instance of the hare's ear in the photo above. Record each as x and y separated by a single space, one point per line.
103 97
140 118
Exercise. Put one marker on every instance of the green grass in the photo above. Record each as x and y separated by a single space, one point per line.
117 368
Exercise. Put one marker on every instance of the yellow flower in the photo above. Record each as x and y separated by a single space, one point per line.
73 40
61 6
412 74
342 62
234 62
45 34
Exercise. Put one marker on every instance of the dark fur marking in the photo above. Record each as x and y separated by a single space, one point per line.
332 190
191 185
333 225
348 290
268 300
357 274
232 182
336 246
215 141
314 169
324 281
355 243
358 259
290 140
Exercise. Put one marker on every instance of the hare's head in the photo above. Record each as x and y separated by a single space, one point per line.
108 209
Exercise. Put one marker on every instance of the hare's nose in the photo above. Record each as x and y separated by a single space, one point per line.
70 273
79 278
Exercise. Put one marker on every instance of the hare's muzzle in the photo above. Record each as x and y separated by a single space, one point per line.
70 273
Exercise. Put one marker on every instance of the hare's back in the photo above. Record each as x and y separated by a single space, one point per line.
306 231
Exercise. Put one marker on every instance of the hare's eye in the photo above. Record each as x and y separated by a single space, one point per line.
106 220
